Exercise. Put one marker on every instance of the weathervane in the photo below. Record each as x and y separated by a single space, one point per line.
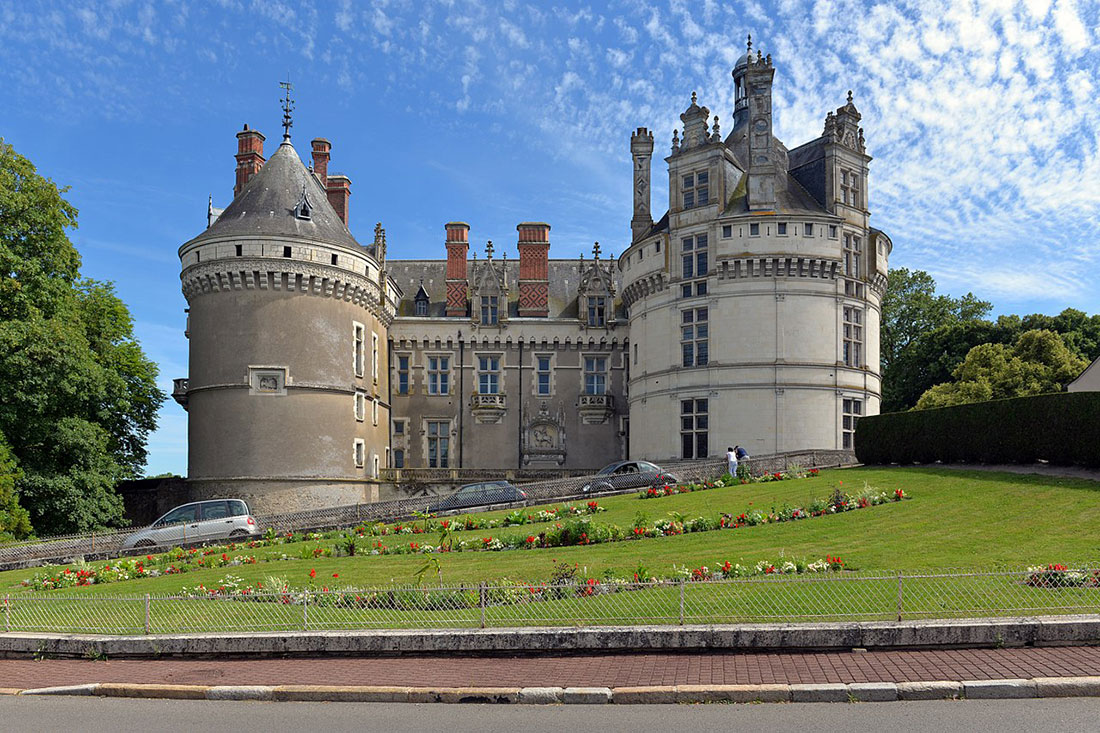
288 107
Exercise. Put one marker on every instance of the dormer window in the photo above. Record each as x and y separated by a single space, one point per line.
597 311
489 305
696 189
303 209
421 307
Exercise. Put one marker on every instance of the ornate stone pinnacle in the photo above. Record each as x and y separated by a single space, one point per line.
693 97
849 96
749 45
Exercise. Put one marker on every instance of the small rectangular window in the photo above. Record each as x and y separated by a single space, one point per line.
754 230
595 375
358 346
360 454
374 356
398 458
727 231
542 375
808 230
398 427
781 228
489 310
656 247
488 378
832 231
286 252
402 375
239 250
360 409
374 412
335 259
439 375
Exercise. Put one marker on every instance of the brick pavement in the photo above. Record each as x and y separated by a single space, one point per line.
606 670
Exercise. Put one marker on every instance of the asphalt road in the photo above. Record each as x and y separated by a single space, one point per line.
92 714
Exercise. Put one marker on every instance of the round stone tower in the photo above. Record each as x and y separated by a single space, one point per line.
755 302
287 387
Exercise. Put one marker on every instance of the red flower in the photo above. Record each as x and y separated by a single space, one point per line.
312 573
336 575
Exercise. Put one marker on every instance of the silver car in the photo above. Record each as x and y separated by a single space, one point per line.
198 522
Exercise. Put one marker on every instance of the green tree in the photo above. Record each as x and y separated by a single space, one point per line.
15 521
1037 363
78 397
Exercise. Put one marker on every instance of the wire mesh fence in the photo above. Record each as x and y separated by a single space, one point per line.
112 543
845 596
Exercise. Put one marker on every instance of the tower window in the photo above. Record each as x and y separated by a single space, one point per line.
358 349
695 264
335 259
695 337
360 406
488 378
696 189
853 254
489 310
439 375
360 453
808 230
781 228
727 231
439 444
694 428
597 310
754 230
374 412
852 411
374 356
853 336
398 427
542 376
287 252
402 375
421 307
595 375
239 250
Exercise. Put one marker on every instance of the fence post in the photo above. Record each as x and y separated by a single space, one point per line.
7 613
681 601
899 595
481 602
357 517
93 541
147 613
305 610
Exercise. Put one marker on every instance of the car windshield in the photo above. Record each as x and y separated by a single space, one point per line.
608 469
189 513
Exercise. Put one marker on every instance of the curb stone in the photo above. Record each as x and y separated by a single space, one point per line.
325 693
1067 686
822 692
241 692
64 690
540 695
999 689
733 693
482 695
153 691
939 690
586 695
650 695
873 691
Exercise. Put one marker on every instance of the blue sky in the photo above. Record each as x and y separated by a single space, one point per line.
981 117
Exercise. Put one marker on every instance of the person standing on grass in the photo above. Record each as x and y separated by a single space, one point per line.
731 461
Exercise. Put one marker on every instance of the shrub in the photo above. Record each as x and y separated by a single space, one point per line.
1062 428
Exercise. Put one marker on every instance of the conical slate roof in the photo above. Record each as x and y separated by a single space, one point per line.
267 204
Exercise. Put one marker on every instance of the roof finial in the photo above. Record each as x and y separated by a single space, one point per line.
693 97
596 251
288 107
489 250
849 96
748 47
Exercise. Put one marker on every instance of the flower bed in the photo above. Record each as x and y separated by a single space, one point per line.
657 492
1060 576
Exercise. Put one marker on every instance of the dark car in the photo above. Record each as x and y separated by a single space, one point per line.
628 475
482 494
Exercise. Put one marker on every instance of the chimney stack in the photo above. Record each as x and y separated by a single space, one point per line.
338 190
250 156
321 149
534 269
458 247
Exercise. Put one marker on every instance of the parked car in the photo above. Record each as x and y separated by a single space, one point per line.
628 475
199 521
481 494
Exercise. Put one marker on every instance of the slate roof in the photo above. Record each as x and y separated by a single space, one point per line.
266 206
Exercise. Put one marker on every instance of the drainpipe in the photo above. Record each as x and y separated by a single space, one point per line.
461 392
519 404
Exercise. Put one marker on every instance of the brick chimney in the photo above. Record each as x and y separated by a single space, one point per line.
338 190
534 269
321 149
250 156
458 247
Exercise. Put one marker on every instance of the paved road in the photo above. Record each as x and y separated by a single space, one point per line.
118 715
595 670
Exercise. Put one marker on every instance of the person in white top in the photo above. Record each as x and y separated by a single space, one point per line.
731 460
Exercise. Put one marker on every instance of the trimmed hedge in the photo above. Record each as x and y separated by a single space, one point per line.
1062 428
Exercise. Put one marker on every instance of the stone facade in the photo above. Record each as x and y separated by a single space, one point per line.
747 314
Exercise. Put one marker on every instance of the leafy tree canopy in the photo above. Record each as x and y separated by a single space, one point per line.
1037 363
78 397
15 521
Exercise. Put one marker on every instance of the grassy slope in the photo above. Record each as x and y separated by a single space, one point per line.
956 519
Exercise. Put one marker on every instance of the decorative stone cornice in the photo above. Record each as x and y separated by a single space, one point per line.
267 273
644 286
757 267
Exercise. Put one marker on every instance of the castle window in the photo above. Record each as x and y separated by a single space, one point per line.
695 337
542 375
374 412
853 251
360 406
694 428
303 209
696 189
727 231
358 347
287 252
781 228
374 465
595 375
398 458
635 354
374 356
695 262
488 378
852 411
402 375
239 250
439 375
421 307
853 336
754 230
335 259
832 231
360 453
808 230
398 427
597 310
489 305
849 188
439 444
657 246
